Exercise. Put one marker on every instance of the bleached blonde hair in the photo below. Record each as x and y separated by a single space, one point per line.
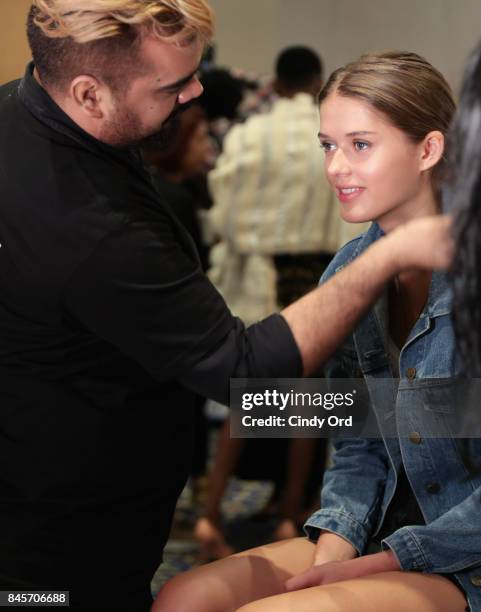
103 37
86 21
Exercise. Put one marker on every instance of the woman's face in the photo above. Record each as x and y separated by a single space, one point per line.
373 167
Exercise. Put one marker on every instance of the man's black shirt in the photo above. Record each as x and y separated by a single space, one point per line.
105 319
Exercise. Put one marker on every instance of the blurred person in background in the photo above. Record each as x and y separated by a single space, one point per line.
279 227
221 99
179 170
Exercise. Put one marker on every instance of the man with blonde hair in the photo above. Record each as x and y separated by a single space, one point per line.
105 315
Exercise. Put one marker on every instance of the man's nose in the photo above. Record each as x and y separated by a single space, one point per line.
338 165
192 90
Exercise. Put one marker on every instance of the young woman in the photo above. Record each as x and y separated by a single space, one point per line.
399 527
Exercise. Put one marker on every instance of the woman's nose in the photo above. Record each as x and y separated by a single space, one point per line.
338 165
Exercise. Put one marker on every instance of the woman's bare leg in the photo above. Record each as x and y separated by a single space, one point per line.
225 585
388 592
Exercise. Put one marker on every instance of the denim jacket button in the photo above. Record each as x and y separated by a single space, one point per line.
476 580
415 437
433 487
411 373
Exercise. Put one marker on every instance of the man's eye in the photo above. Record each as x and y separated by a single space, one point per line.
360 145
327 146
171 92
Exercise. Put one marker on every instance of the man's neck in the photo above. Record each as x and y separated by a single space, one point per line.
36 76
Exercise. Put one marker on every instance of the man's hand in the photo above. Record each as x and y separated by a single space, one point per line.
337 571
324 317
331 547
424 243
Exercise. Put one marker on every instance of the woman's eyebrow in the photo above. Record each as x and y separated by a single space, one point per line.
360 133
356 133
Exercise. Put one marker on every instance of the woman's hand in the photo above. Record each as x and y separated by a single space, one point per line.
337 571
331 547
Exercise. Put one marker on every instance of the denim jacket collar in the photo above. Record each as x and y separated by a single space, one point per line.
440 293
370 337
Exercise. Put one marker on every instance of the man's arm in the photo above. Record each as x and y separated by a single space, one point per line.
322 319
141 292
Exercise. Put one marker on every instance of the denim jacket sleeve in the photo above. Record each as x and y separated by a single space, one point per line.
449 544
352 492
353 487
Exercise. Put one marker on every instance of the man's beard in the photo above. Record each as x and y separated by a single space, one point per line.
161 139
125 130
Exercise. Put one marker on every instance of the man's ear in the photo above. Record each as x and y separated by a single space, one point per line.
432 149
89 96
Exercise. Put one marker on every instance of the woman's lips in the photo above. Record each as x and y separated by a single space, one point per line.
348 194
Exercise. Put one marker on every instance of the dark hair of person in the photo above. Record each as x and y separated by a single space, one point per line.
463 197
296 67
168 158
222 95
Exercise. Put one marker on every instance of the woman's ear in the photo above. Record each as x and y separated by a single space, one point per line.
432 149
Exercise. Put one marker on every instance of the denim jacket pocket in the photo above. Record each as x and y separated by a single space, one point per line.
441 395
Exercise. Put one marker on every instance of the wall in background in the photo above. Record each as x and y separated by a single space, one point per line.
251 32
14 51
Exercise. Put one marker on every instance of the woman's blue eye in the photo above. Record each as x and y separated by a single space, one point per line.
360 145
327 146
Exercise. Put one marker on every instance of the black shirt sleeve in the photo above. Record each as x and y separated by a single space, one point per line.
264 350
142 290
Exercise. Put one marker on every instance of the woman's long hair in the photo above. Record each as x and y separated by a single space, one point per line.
463 198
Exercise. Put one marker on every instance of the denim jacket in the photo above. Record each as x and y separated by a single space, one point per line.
358 487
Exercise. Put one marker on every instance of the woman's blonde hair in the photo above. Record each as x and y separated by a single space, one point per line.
68 36
405 87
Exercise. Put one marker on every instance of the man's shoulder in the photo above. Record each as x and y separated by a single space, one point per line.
9 101
8 89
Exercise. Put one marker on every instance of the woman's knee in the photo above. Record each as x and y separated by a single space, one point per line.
229 583
181 594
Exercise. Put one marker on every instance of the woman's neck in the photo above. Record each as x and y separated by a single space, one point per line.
407 298
422 204
409 291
